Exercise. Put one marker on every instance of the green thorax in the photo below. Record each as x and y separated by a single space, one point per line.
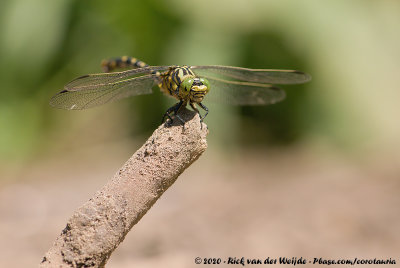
183 84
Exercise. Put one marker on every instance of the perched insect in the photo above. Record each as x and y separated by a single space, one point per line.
188 84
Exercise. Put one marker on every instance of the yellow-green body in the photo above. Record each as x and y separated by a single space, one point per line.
179 81
183 84
188 84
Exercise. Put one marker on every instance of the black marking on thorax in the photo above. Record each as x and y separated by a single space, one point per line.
173 79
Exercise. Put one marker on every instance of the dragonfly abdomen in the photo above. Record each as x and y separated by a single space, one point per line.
122 62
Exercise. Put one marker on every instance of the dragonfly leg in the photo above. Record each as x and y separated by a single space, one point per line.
175 110
197 111
205 109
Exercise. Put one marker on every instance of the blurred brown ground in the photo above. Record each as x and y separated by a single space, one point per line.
275 203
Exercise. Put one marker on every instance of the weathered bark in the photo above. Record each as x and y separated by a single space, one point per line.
96 229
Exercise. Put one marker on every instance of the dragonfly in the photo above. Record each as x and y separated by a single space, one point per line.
187 84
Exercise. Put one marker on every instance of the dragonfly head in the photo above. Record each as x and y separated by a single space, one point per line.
195 88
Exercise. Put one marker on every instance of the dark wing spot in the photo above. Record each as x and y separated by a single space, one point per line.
83 76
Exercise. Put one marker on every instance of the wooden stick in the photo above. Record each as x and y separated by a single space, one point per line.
96 228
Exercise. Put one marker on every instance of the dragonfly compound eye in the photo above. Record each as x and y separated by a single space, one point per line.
206 83
198 90
187 84
200 85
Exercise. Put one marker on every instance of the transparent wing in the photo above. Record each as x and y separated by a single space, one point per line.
92 81
268 76
93 90
243 93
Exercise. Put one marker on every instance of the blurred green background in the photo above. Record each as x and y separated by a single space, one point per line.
350 109
349 48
